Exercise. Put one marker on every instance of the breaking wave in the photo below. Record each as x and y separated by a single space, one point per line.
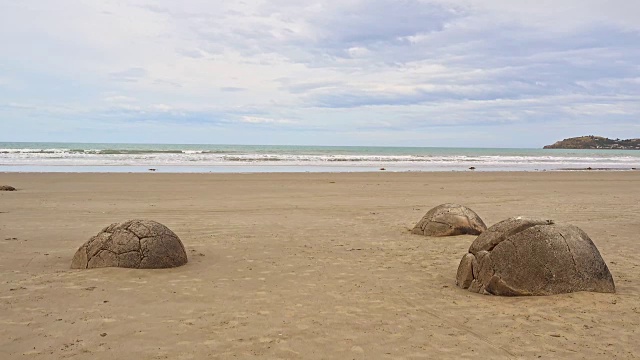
424 159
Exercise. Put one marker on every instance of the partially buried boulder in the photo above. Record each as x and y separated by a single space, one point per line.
7 188
450 220
142 244
521 256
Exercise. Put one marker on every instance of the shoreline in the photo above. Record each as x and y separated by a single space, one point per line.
286 169
174 158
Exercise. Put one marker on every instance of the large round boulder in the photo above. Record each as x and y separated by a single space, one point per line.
141 244
520 256
7 188
450 220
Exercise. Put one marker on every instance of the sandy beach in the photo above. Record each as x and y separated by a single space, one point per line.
305 266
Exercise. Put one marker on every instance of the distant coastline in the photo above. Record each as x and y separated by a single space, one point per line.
596 142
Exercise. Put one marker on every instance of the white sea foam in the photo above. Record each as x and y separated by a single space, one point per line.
304 158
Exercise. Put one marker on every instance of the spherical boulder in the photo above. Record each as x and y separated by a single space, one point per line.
520 256
141 244
7 188
450 220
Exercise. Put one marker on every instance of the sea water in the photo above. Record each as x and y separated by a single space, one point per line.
193 158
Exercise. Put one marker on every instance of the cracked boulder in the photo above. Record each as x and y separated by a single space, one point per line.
450 220
520 256
7 188
140 244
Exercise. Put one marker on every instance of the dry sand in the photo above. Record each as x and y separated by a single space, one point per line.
305 266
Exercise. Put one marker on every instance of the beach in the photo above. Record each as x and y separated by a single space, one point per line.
305 266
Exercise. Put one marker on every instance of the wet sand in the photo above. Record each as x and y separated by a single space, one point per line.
305 266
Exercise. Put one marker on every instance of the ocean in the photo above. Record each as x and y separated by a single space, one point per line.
180 158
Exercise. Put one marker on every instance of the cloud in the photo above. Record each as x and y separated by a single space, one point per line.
232 89
119 99
262 120
296 87
347 70
129 75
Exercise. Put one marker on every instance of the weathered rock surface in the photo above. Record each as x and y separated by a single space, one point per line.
7 188
520 256
450 220
142 244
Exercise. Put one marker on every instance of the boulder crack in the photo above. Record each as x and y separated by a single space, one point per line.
575 265
438 222
513 231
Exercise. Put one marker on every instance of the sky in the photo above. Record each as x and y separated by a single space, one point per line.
459 73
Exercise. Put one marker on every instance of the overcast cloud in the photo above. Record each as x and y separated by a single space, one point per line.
488 73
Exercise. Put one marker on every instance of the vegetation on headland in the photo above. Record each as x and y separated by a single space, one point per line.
596 142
